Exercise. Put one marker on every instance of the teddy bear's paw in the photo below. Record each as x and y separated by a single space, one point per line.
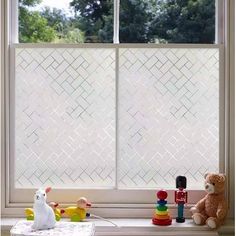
211 223
194 210
197 219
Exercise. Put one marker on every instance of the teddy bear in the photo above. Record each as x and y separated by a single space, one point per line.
212 209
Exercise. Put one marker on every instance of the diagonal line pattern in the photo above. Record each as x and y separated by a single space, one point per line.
168 116
65 117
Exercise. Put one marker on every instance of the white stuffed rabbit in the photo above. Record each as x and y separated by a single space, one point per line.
44 217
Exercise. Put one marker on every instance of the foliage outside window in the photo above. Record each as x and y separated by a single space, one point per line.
141 21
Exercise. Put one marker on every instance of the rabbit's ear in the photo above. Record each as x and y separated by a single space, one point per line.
48 189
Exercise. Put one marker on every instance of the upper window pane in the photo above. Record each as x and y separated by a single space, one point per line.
167 21
65 21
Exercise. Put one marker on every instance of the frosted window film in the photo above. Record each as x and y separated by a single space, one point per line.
168 116
65 118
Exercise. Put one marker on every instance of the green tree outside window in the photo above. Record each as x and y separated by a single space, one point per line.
141 21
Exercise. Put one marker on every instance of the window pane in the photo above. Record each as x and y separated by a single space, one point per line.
65 21
64 118
168 116
167 21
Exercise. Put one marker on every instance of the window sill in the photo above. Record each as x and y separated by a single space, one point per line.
144 227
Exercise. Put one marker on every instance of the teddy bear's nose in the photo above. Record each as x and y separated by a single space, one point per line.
207 186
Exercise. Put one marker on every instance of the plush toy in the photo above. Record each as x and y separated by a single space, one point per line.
78 213
44 217
212 209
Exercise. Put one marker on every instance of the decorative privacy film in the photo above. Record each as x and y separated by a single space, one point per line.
65 117
168 116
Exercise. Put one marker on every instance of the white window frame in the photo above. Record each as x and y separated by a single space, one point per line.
120 204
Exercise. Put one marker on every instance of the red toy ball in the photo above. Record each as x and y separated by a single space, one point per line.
162 194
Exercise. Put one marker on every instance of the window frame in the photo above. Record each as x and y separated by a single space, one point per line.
126 207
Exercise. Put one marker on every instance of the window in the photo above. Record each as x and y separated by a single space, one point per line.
65 131
168 21
149 21
168 115
69 21
114 122
65 117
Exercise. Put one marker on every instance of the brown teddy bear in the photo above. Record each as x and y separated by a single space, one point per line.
212 209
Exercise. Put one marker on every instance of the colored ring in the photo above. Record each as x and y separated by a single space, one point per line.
161 222
162 202
159 217
162 208
162 213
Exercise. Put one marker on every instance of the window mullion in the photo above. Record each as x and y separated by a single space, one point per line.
116 21
219 21
13 20
116 41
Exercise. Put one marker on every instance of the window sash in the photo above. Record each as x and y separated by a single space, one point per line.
108 196
219 23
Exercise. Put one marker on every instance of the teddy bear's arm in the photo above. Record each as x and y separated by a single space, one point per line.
201 204
222 210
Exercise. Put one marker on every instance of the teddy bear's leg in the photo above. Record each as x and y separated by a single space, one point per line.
199 219
212 222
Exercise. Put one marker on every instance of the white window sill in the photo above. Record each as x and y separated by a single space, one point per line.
144 227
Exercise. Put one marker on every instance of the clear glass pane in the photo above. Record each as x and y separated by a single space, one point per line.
168 116
65 21
167 21
64 118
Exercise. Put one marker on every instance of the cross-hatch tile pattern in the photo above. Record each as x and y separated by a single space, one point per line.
168 116
65 116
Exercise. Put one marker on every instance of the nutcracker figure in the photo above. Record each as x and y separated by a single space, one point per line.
181 197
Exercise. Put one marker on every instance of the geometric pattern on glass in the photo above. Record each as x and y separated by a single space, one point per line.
64 117
168 116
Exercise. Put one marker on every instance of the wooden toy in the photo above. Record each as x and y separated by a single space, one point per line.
56 210
78 213
181 197
29 212
161 216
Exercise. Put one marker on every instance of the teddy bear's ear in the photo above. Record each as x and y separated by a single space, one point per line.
206 175
222 177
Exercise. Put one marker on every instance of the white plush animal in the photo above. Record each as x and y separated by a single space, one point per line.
44 217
